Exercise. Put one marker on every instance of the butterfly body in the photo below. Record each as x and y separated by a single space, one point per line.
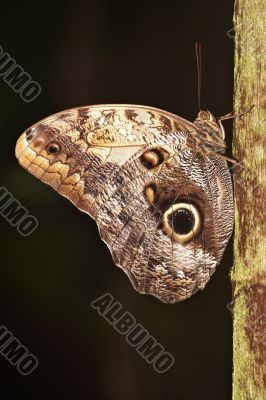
155 183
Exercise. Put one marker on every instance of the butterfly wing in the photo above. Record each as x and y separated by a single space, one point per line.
93 142
167 222
123 165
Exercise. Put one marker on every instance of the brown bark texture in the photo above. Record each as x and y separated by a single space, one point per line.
249 143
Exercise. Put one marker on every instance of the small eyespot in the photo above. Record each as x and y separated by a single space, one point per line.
154 157
182 222
29 134
150 193
52 148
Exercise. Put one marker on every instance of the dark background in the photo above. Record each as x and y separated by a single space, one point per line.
89 52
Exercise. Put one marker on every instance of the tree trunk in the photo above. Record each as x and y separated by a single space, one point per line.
248 274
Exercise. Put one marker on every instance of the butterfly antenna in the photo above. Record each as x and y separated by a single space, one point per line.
199 71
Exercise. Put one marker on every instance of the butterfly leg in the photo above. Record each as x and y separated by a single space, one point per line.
232 115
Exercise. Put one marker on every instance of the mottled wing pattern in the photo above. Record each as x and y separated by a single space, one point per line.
136 170
131 223
94 141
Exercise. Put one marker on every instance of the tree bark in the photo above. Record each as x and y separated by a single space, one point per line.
248 274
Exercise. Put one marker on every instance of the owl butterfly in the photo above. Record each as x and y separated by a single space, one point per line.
157 185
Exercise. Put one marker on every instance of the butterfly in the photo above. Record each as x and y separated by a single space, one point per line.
157 185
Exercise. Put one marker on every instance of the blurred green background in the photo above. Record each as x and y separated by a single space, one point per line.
88 52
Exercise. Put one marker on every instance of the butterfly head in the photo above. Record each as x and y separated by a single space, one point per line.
209 126
205 116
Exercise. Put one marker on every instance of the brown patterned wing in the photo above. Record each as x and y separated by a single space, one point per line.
101 159
167 215
76 150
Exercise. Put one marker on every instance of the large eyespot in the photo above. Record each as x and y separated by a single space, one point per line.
154 157
52 148
182 222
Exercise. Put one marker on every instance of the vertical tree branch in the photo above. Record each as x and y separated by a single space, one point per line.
248 275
